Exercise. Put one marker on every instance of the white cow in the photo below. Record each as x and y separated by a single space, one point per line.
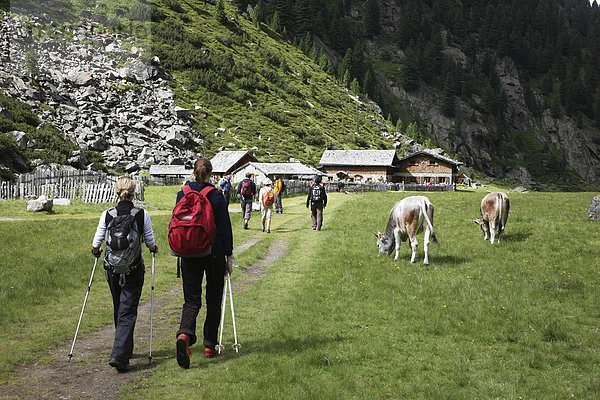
494 213
409 217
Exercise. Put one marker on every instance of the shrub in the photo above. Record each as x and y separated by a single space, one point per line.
275 115
140 12
209 79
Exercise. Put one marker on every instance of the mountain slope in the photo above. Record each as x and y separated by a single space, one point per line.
229 85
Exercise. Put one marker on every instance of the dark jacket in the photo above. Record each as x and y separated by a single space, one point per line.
252 187
223 235
323 195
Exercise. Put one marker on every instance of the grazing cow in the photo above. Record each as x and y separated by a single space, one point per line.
494 213
408 217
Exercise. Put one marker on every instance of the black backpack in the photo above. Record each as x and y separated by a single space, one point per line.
123 244
316 193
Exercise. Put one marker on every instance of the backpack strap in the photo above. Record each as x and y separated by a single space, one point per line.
112 212
186 189
206 190
134 211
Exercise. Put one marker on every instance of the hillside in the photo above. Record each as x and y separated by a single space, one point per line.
509 88
140 84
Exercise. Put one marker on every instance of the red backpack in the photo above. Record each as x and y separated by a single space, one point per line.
246 190
192 227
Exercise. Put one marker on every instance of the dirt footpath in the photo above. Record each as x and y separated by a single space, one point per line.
88 375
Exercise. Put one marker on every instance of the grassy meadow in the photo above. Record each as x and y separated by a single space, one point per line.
331 319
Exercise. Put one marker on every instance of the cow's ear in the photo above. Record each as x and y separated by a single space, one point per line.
477 221
376 235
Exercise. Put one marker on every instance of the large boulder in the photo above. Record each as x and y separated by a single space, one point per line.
42 203
80 78
140 72
594 211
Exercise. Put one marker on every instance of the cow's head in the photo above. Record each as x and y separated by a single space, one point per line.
481 223
384 243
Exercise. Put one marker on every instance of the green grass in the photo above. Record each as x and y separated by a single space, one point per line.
332 319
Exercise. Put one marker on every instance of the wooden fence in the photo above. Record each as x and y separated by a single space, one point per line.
294 187
86 186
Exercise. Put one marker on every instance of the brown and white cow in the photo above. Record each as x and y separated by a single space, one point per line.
494 213
408 217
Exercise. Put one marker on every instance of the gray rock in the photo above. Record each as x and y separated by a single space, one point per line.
594 212
80 78
78 159
140 72
132 167
62 202
42 203
20 138
99 144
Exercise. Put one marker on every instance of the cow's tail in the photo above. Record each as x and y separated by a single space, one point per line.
426 215
501 211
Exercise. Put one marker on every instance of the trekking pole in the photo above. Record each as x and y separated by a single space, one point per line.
236 345
220 346
83 308
151 310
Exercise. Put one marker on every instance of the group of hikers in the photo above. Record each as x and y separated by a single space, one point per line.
207 251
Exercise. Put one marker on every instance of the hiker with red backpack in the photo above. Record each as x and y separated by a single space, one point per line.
246 190
317 198
124 226
267 199
200 233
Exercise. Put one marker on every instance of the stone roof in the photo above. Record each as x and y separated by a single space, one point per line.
223 161
433 154
169 170
285 168
379 158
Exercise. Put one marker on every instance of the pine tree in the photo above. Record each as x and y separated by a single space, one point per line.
275 23
448 96
354 86
219 12
371 18
258 14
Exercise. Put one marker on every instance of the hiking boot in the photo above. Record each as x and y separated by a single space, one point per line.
209 353
118 365
183 351
245 226
268 231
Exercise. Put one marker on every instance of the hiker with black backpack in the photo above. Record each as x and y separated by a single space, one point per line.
200 233
124 227
317 198
246 190
267 199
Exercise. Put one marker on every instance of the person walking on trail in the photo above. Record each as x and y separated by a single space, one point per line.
214 265
278 188
246 190
123 227
317 198
225 188
267 199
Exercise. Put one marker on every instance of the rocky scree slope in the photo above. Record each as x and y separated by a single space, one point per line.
92 86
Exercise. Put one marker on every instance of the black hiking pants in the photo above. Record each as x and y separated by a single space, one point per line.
125 301
192 273
316 212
